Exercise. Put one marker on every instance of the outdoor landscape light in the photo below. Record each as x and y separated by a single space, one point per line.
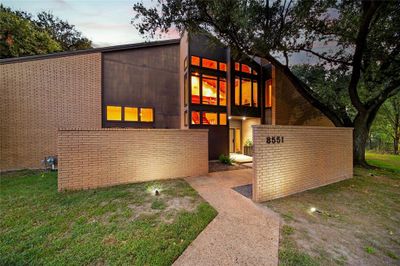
156 192
313 209
244 118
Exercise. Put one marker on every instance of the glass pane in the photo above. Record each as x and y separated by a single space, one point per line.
222 92
237 91
246 69
237 139
146 114
195 60
195 118
114 113
255 93
222 66
246 92
209 90
210 118
237 67
268 94
222 119
131 114
195 89
209 63
254 72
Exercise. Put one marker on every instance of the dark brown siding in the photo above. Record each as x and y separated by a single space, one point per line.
145 77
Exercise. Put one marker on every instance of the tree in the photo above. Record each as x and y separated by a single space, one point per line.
19 37
388 122
359 38
64 33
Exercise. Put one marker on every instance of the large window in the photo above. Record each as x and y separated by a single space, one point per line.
209 90
129 114
195 90
246 92
208 118
222 92
207 63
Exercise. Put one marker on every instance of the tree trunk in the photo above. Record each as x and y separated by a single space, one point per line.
360 137
396 135
396 145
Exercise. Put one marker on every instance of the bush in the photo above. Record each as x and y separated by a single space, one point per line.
225 159
248 143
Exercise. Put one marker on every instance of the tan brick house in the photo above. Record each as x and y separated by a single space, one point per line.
185 83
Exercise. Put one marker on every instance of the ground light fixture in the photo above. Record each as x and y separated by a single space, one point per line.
313 209
154 190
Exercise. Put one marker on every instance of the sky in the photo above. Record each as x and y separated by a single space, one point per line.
105 22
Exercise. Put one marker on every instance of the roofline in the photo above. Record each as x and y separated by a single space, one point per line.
90 51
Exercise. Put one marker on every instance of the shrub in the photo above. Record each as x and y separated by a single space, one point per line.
248 143
225 159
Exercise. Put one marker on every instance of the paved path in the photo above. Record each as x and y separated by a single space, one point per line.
243 233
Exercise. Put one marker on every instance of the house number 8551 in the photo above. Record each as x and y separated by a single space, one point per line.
274 139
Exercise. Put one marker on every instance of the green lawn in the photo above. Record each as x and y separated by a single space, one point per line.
387 161
120 225
355 222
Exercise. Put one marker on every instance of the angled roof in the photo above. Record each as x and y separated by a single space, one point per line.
91 50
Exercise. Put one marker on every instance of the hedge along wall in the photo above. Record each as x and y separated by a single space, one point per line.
291 159
105 157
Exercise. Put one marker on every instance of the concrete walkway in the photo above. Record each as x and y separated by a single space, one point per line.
243 233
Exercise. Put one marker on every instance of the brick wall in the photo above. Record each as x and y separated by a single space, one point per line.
308 158
106 157
38 97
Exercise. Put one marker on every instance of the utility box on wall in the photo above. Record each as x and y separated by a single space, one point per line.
292 159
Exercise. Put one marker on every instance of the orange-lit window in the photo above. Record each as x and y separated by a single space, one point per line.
195 60
114 113
209 88
146 115
222 66
255 93
209 118
246 69
222 92
209 63
195 89
195 118
254 72
131 114
222 119
268 94
237 91
237 66
246 92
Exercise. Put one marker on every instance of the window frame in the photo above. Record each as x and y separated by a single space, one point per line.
123 121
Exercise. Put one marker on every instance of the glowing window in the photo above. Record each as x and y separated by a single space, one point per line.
222 92
237 91
268 94
222 119
114 113
195 118
209 118
222 66
146 114
255 93
246 69
246 92
237 66
209 88
209 63
195 60
254 72
195 89
131 114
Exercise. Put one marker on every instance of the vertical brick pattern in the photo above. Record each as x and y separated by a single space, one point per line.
106 157
308 158
38 97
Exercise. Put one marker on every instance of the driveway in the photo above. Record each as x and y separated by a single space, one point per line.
243 232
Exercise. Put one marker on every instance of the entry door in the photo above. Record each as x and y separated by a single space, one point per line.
231 140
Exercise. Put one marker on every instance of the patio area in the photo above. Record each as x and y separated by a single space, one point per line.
241 158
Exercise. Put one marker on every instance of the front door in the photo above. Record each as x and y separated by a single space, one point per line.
231 140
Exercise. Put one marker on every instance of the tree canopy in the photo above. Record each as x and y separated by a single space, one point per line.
357 38
21 34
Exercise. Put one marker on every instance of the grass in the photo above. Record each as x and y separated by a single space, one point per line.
356 222
385 161
118 225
